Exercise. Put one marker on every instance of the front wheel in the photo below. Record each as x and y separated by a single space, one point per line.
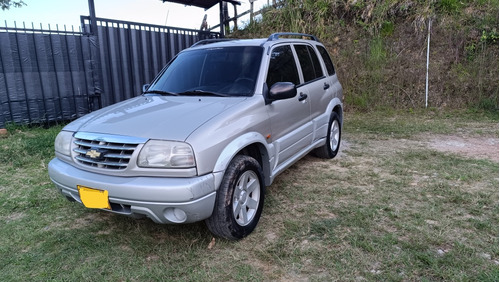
239 200
332 145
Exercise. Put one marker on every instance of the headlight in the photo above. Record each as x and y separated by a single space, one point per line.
166 154
63 143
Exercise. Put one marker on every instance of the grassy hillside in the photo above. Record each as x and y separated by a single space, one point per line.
380 49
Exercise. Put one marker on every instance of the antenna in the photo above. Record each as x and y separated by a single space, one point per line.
166 18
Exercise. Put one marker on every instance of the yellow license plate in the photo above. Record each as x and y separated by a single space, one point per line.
94 198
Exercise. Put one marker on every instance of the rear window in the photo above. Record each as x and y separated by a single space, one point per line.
309 63
326 58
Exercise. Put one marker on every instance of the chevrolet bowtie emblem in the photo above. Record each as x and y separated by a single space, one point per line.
93 154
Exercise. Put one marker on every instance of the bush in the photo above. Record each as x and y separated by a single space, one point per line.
380 47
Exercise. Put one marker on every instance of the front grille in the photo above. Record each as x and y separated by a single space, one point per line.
104 151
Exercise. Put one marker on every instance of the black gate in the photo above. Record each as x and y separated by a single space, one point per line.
50 75
131 54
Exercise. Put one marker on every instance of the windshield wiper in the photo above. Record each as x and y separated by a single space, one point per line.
203 93
161 92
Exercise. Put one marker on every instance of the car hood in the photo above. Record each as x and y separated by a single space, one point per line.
155 117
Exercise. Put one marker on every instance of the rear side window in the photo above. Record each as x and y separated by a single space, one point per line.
282 67
326 58
309 63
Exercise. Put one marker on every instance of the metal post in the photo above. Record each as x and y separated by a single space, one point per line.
7 81
93 22
427 74
42 89
94 55
20 60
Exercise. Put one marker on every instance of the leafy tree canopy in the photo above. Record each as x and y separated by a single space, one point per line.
6 4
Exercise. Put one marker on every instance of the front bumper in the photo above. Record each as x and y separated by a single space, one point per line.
164 200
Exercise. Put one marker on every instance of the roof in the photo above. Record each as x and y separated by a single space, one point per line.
206 4
281 36
224 42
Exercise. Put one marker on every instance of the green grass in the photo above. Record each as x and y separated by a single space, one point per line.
388 208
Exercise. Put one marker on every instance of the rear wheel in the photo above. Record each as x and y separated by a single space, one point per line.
332 145
239 200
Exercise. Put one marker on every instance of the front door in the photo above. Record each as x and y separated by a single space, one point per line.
290 118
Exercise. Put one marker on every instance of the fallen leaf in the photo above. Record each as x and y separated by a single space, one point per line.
212 243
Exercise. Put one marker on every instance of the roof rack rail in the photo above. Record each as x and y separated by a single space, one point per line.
210 41
276 36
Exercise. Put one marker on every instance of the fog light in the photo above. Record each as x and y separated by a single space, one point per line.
175 215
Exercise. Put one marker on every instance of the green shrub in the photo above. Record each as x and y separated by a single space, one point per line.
449 6
379 48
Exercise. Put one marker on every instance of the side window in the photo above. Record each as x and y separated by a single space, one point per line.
282 67
309 63
326 58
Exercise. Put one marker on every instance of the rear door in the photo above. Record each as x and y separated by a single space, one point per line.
315 87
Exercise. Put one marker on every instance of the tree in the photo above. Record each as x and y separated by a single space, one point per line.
6 4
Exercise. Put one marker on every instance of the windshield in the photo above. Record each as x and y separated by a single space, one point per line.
227 71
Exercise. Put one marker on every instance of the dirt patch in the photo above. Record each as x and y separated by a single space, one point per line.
13 217
474 147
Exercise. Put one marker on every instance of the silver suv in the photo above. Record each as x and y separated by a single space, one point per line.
213 129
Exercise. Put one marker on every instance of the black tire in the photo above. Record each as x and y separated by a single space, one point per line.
238 206
332 144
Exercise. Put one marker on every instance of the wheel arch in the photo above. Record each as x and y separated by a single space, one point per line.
336 106
250 144
340 112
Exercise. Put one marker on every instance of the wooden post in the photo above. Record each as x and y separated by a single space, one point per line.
226 17
221 17
251 11
204 24
235 17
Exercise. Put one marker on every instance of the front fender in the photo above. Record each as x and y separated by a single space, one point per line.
240 143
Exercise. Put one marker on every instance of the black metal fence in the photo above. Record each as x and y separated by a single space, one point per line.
45 74
131 54
49 74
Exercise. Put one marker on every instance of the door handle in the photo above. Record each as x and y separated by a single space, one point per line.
302 97
326 86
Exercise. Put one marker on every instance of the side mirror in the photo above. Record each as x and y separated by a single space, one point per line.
145 87
281 91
